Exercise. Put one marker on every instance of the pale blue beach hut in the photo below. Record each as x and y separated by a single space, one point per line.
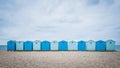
110 45
11 45
36 45
72 45
19 45
54 45
90 45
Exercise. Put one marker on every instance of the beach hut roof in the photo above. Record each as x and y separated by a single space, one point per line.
90 41
110 41
81 41
63 41
45 41
72 41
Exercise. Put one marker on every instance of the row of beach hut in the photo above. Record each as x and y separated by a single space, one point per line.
100 45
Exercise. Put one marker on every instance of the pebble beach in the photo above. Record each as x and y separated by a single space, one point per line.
59 59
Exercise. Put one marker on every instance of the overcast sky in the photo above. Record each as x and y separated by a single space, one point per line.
59 20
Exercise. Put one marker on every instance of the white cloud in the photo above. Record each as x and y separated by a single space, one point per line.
60 19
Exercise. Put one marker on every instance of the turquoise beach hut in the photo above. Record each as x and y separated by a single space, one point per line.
19 45
63 45
81 45
11 45
45 45
72 45
100 45
54 45
110 45
36 45
28 45
90 45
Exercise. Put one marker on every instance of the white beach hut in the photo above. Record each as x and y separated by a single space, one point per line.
54 45
19 45
110 45
72 45
91 45
37 45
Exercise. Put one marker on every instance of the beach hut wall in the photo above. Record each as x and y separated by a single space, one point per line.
11 45
19 45
45 45
54 45
63 45
81 45
100 45
90 45
72 45
28 45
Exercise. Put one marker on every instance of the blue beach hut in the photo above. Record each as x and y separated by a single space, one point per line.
100 45
36 45
110 45
72 45
19 45
45 45
11 45
54 45
81 45
28 45
63 45
90 45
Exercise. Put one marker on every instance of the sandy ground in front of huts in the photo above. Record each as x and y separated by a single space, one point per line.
59 59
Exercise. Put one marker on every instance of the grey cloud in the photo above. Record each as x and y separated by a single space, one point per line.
109 1
1 19
117 28
98 2
3 23
93 2
69 21
4 36
46 28
6 23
